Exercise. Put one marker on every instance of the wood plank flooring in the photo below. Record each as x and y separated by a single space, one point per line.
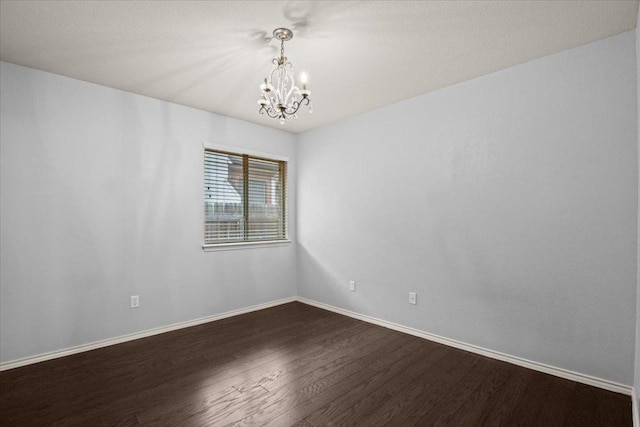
295 365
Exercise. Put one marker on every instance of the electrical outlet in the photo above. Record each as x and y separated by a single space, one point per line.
135 301
413 298
352 285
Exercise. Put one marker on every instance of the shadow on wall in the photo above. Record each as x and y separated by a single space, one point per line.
321 283
328 286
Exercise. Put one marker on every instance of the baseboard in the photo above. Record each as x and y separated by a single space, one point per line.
541 367
137 335
634 408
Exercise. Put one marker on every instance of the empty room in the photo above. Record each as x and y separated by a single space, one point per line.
312 213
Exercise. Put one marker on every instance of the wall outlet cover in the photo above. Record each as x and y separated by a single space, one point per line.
135 301
413 298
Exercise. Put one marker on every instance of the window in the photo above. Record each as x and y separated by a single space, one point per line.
244 198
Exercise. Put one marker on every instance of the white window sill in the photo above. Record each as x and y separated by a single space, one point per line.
244 245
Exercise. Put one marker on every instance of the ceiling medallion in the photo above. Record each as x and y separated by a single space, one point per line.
281 98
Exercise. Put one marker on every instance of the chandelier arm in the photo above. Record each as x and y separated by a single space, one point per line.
294 108
263 110
271 113
275 113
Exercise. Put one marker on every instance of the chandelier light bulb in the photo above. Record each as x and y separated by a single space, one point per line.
281 98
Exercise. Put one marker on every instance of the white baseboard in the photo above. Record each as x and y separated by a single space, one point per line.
137 335
634 408
541 367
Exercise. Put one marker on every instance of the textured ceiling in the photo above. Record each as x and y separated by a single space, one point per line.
359 55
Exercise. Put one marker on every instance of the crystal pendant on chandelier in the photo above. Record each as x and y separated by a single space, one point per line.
281 98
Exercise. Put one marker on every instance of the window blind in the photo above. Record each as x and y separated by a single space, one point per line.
244 198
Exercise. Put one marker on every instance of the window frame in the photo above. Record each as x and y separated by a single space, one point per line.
245 244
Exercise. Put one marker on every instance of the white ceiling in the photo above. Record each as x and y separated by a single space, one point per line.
359 55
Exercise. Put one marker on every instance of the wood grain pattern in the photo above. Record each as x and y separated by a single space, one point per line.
295 365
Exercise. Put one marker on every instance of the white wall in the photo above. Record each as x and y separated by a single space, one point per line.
101 198
508 203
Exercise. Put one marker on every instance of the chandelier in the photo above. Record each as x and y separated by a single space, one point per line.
281 98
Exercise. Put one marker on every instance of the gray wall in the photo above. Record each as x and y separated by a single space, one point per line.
508 203
101 198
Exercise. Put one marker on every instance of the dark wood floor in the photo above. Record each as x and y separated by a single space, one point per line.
295 365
